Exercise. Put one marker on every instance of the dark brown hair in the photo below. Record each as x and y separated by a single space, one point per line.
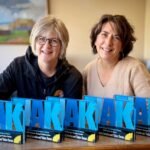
123 27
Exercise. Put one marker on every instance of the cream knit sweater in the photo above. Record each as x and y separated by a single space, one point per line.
130 77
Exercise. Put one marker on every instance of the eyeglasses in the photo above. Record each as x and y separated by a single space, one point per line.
53 41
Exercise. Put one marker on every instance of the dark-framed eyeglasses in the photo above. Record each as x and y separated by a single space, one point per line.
52 41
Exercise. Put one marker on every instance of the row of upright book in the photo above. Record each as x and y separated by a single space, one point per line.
55 119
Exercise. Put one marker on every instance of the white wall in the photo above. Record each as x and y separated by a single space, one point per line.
8 53
79 16
147 31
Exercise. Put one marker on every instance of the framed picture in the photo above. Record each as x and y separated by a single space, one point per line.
17 18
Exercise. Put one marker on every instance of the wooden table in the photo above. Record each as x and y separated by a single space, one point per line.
104 143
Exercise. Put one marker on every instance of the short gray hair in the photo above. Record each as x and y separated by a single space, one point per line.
49 23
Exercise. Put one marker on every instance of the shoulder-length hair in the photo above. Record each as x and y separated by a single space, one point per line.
123 27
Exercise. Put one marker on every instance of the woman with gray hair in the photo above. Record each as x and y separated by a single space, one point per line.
43 70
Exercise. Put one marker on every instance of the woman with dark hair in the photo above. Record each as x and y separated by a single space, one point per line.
113 71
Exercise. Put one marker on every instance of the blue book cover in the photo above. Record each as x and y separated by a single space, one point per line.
116 116
12 122
142 106
43 119
81 120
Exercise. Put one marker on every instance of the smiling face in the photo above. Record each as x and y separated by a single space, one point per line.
48 48
108 43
